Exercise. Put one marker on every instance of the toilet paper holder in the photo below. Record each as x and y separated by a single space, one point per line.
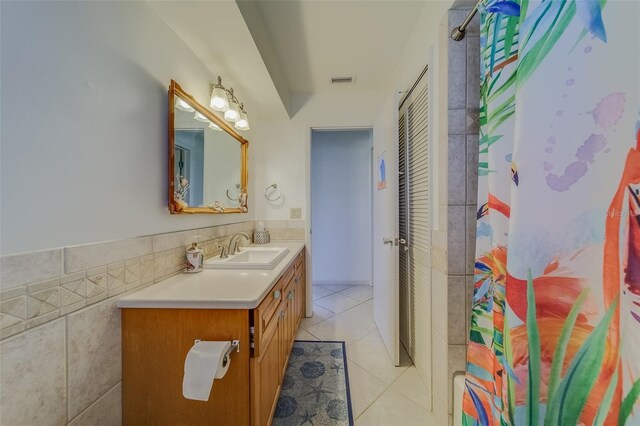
235 346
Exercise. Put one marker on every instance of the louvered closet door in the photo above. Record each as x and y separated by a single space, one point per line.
403 264
415 224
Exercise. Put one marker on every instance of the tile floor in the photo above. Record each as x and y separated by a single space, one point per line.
381 393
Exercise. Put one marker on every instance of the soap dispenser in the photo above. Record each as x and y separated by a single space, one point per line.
195 259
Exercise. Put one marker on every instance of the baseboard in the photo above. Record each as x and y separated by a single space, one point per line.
347 282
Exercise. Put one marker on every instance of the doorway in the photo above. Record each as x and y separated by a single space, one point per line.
341 207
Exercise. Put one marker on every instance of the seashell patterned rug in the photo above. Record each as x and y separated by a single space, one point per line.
315 388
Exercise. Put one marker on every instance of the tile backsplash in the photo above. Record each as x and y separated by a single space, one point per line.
38 287
285 229
60 348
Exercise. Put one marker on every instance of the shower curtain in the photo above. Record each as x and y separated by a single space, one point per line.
555 330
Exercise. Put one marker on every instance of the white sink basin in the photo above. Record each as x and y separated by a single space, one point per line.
250 258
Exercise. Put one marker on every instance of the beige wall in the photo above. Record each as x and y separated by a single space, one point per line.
105 176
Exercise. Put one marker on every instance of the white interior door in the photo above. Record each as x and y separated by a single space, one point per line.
385 227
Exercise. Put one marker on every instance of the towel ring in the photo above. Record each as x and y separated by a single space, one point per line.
238 189
274 187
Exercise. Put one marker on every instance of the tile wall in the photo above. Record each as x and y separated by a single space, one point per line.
453 250
285 229
60 348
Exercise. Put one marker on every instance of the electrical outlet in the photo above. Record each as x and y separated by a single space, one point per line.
295 213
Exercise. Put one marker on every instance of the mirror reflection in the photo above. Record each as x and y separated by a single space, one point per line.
207 161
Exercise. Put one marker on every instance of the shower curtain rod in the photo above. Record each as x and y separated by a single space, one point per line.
458 32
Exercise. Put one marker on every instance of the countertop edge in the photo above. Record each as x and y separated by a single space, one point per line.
129 302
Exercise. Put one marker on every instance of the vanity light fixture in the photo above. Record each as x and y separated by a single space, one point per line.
233 113
243 121
219 100
223 100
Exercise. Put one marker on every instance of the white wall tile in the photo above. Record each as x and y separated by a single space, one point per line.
456 169
33 375
25 268
106 411
473 146
172 240
457 73
456 310
456 235
470 239
78 258
94 354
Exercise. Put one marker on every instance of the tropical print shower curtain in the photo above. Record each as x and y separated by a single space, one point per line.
555 332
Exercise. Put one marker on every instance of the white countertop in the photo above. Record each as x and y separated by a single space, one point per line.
213 288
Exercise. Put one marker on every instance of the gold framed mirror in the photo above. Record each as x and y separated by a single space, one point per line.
207 159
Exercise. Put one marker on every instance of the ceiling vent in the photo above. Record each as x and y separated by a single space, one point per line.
343 80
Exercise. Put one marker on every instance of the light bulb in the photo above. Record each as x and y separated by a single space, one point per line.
233 113
183 105
200 117
219 101
243 122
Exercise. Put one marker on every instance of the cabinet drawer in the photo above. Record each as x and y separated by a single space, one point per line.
264 316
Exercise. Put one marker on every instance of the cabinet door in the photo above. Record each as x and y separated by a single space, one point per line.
268 377
285 338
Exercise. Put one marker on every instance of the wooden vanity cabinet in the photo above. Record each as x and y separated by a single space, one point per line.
155 343
273 341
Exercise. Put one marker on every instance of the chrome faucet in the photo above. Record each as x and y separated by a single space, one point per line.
233 243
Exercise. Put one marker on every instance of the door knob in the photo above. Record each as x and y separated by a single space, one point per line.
387 241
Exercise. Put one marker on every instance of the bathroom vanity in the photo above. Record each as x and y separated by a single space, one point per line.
260 308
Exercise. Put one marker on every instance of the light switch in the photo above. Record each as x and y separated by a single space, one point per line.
295 213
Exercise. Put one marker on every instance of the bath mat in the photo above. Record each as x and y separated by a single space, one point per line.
315 388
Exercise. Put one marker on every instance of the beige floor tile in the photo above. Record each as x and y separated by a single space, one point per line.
359 292
410 384
362 315
371 354
319 314
338 328
305 335
320 292
394 409
335 287
337 302
364 388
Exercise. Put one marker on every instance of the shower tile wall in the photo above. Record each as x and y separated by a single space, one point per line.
60 344
453 241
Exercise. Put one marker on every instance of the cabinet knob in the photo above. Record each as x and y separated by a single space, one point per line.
276 294
281 314
290 296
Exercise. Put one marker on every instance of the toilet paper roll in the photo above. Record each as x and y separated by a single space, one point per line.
204 362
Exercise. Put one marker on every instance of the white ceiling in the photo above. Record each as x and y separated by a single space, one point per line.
269 50
218 35
317 40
